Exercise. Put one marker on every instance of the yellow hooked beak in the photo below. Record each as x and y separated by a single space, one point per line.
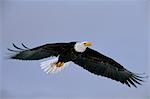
87 44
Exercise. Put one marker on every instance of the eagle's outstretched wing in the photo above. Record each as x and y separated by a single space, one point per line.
40 52
102 65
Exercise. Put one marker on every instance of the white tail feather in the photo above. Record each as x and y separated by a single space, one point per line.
49 66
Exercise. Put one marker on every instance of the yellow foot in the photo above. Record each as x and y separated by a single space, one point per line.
59 64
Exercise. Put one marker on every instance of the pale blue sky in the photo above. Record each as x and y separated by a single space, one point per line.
117 29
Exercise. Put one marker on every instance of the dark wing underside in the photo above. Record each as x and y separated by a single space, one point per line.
40 52
101 65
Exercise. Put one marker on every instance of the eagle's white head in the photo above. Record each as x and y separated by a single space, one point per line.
81 46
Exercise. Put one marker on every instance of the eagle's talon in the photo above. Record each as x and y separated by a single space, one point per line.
59 64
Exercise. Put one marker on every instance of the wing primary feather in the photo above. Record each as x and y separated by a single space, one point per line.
135 81
137 75
127 83
17 47
132 82
25 46
12 50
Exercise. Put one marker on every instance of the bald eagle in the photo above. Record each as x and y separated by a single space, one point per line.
80 54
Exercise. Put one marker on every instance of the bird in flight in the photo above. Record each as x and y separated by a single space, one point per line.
80 54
